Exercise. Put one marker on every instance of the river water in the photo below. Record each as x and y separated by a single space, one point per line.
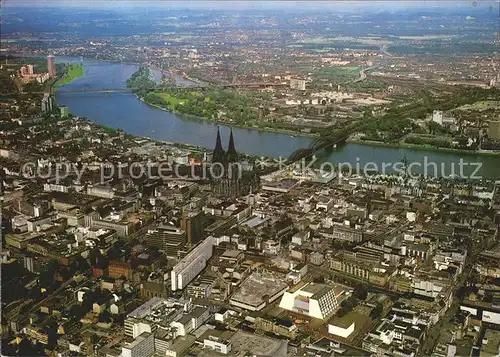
125 111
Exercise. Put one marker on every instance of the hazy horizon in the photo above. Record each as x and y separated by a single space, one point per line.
342 5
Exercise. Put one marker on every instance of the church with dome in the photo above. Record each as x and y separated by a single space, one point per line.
231 177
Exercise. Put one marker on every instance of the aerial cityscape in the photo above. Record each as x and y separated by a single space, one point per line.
250 178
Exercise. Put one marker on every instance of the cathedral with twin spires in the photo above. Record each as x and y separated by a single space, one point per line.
231 178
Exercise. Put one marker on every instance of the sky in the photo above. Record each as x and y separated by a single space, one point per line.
254 4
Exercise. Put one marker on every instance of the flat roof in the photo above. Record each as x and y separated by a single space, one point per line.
284 183
255 287
146 308
221 334
232 253
256 345
138 340
317 290
244 343
345 321
254 221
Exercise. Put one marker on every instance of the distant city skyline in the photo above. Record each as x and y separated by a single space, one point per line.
339 5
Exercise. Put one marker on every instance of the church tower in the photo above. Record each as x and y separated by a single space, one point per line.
219 155
231 179
232 155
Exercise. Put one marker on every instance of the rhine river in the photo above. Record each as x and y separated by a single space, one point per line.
125 111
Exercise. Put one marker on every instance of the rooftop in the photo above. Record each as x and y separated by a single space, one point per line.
254 289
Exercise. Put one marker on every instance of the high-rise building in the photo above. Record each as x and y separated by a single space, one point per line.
192 264
193 223
296 83
51 65
28 263
494 130
64 111
437 117
23 71
31 69
47 104
170 239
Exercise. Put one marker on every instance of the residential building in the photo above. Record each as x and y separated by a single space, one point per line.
51 65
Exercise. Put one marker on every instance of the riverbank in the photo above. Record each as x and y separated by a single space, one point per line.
183 146
173 72
203 104
124 111
422 147
73 72
221 122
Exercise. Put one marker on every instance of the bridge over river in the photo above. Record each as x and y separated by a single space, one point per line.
327 139
113 90
55 90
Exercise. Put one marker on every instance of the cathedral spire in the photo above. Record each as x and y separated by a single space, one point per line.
232 155
218 154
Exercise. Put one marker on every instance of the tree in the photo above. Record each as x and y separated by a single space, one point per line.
360 292
76 311
342 312
105 316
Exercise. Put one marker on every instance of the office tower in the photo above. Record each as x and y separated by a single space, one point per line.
169 239
31 69
193 223
51 65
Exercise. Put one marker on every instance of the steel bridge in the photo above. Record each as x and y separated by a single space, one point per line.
113 90
326 139
54 90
